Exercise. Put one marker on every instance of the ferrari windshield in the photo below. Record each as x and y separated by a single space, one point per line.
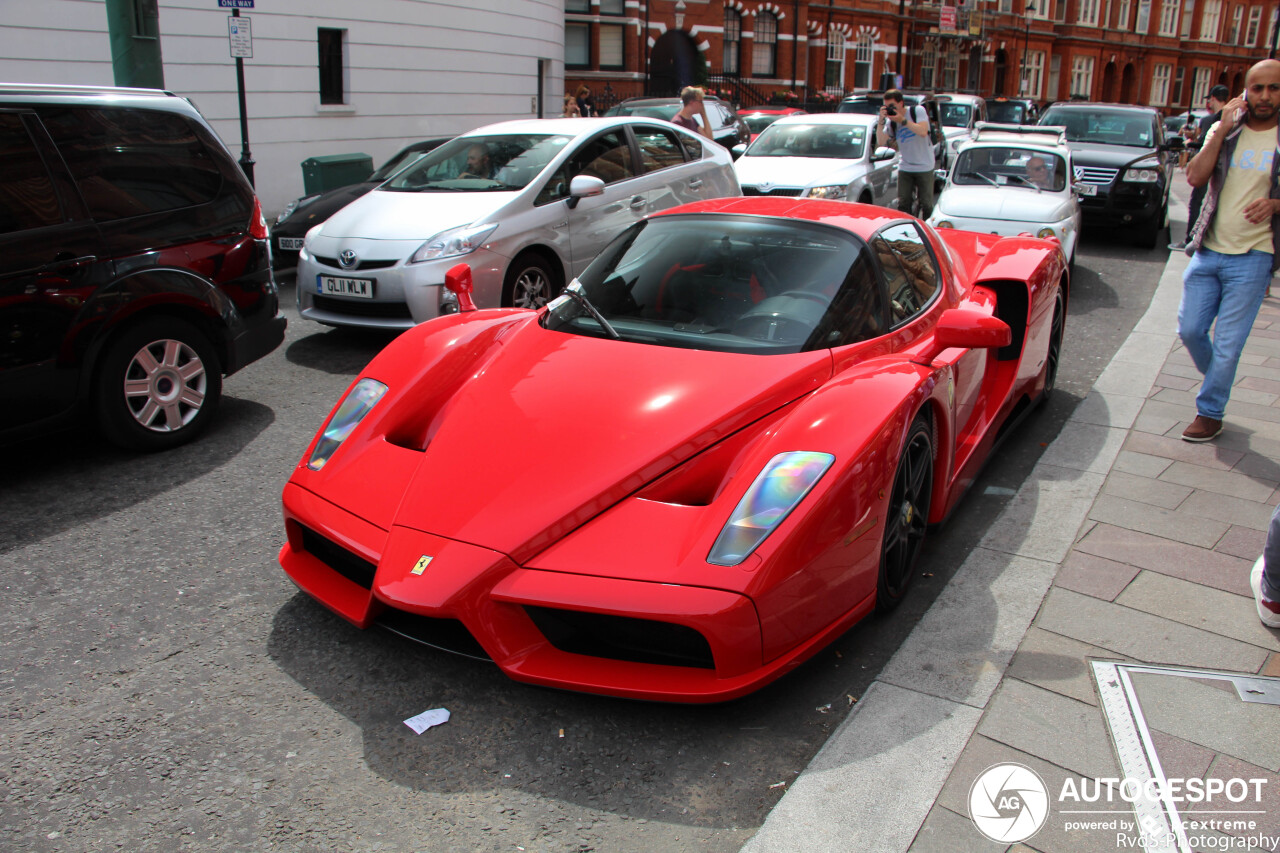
728 283
1010 166
1103 126
832 141
481 164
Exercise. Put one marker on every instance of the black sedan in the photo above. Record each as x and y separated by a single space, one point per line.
302 215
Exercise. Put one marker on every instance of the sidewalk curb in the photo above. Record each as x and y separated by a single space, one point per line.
874 782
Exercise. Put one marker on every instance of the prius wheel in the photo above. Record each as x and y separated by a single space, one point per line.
531 282
1055 346
158 386
908 515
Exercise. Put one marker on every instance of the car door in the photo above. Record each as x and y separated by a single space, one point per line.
882 175
595 220
668 177
50 264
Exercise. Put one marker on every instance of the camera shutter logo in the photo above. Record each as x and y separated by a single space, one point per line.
1008 803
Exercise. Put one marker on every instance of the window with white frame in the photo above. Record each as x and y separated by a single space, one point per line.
1160 84
731 62
1169 18
862 62
835 60
1209 20
1082 76
1188 8
1035 74
1178 79
1122 16
1255 24
1006 5
1271 28
611 41
1088 13
1237 24
1144 18
1200 86
764 54
1055 75
928 65
950 65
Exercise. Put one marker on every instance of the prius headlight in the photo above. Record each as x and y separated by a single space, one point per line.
453 243
777 490
359 401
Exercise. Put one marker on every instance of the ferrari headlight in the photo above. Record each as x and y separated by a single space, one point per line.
777 490
358 403
835 192
453 243
1142 176
1046 233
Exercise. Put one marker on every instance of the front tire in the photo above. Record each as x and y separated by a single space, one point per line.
1054 356
907 516
159 385
531 282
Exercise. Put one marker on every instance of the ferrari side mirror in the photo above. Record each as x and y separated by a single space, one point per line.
965 328
458 282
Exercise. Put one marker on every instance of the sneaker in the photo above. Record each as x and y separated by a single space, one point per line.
1268 610
1202 429
1178 247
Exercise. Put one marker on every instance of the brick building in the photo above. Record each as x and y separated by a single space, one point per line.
1165 53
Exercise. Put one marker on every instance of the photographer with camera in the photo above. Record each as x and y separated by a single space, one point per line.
907 129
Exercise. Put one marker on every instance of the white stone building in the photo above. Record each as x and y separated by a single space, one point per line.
401 70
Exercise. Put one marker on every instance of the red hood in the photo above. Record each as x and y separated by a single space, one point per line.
555 428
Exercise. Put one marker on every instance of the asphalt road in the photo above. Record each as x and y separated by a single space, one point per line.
165 687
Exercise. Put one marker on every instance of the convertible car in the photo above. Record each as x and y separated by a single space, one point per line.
712 454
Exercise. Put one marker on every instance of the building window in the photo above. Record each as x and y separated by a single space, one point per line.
577 45
1255 23
332 65
1237 23
1200 86
583 6
1122 16
1144 18
835 60
1082 76
1088 15
1035 73
1209 20
612 7
1169 18
731 63
1188 9
1179 78
611 53
1271 29
1160 85
764 54
862 63
950 64
928 64
1006 5
1055 75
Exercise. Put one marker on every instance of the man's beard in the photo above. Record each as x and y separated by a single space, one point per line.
1260 112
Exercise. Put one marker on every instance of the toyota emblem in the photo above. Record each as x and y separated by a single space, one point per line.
347 259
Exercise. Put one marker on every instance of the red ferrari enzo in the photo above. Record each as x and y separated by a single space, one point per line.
707 458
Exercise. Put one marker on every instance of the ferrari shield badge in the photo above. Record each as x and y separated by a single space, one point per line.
421 566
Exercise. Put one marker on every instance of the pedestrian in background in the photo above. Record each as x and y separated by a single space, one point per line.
691 98
1216 99
586 105
571 107
1235 243
907 129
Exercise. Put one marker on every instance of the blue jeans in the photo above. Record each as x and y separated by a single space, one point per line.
1230 288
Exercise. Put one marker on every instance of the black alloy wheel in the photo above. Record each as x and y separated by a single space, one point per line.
907 516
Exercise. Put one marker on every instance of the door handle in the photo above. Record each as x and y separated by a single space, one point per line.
637 202
695 184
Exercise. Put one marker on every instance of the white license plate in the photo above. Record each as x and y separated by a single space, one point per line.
292 244
1086 189
328 285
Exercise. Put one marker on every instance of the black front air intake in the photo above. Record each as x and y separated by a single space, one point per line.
351 566
622 637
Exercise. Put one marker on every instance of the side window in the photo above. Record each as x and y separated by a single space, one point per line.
909 270
857 311
130 162
607 157
27 197
658 148
692 145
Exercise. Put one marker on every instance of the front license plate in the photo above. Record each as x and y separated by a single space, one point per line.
328 285
292 244
1086 189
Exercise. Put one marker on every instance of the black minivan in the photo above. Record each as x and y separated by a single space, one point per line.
135 270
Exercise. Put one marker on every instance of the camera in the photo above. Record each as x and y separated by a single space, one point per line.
890 110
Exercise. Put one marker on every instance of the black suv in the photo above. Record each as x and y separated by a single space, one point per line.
134 265
1123 165
870 103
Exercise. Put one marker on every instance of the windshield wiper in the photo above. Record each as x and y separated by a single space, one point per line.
574 292
1026 181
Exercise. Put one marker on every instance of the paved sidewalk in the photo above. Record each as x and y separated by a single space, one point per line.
1127 545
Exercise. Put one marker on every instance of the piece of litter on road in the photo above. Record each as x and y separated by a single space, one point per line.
427 719
852 699
778 785
562 733
824 709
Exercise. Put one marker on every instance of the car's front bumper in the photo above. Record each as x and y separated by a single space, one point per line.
1123 203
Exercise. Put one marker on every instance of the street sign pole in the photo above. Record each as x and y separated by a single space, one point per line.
241 38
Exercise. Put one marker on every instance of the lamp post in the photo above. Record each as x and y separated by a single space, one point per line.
1026 43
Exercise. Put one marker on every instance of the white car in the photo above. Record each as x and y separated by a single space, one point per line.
960 115
1011 180
526 204
832 155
